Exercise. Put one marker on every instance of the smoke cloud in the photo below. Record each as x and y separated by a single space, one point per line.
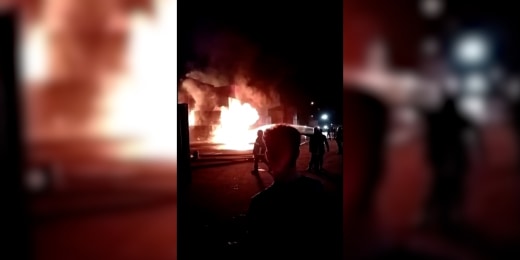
200 96
225 59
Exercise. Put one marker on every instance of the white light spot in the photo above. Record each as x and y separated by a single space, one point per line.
472 50
34 55
474 108
431 8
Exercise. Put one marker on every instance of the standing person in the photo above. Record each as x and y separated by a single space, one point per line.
288 220
317 144
363 165
449 160
259 151
339 139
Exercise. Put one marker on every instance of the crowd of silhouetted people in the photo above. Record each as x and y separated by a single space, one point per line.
447 155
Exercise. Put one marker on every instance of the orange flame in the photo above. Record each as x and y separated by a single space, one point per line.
234 131
191 118
143 103
34 54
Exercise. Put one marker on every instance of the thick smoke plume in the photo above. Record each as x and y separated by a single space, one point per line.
198 95
229 61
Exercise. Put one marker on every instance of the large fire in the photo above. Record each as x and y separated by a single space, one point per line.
191 118
142 102
34 55
234 130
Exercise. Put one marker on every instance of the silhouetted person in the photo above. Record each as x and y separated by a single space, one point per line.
259 151
448 159
288 218
366 118
371 126
317 144
339 139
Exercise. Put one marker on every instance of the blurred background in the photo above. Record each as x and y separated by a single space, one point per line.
431 99
98 89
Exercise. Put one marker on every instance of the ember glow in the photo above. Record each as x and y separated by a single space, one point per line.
234 131
142 101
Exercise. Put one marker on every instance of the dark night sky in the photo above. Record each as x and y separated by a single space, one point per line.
299 44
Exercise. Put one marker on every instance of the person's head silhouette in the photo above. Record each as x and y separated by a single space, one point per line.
283 148
260 133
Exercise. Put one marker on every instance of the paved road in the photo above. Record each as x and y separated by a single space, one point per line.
227 190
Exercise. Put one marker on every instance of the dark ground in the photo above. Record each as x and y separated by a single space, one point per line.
220 196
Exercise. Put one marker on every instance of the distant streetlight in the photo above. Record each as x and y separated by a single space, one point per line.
325 127
325 117
472 50
312 103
